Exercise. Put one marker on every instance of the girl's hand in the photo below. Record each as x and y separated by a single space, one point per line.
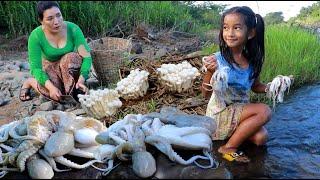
211 63
80 84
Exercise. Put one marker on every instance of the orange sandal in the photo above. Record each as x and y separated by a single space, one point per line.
238 156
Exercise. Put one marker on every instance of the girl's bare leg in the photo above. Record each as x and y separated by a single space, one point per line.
253 117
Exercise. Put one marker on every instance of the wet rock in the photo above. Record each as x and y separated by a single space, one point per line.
167 169
4 98
193 172
3 102
47 106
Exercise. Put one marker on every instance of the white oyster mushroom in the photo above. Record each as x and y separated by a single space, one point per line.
97 102
135 85
176 77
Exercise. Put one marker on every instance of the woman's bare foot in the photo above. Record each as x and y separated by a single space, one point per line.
25 94
232 154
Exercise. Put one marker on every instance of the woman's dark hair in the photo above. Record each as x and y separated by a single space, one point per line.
254 48
44 5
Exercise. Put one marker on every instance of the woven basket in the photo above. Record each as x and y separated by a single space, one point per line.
108 55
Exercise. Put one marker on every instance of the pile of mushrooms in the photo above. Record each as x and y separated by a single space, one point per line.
135 85
100 103
177 77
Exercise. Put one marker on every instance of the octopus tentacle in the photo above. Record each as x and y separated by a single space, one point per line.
116 138
163 145
23 156
68 163
7 148
13 133
52 162
213 163
146 128
9 169
3 173
4 133
123 147
12 158
81 153
109 168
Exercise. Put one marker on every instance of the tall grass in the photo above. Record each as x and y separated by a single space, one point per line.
18 16
290 50
96 18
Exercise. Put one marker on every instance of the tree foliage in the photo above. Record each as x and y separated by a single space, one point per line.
274 18
309 16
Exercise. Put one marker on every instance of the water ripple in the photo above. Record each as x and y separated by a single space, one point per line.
294 130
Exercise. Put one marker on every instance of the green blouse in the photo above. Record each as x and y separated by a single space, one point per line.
39 48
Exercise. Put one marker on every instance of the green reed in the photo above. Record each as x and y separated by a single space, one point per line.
96 18
290 51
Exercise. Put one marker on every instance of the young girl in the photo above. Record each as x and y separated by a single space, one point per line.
242 50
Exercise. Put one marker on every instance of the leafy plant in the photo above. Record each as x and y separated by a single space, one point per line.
151 105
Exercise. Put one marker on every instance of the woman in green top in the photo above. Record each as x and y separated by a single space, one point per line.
59 56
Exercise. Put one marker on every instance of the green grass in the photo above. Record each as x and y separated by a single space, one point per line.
209 49
102 18
290 51
152 105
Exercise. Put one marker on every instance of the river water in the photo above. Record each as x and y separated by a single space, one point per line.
293 149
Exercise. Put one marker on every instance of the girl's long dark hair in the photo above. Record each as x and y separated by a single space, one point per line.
254 48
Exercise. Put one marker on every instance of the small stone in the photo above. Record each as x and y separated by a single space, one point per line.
136 48
37 102
161 52
60 107
47 106
43 99
24 66
25 113
3 102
